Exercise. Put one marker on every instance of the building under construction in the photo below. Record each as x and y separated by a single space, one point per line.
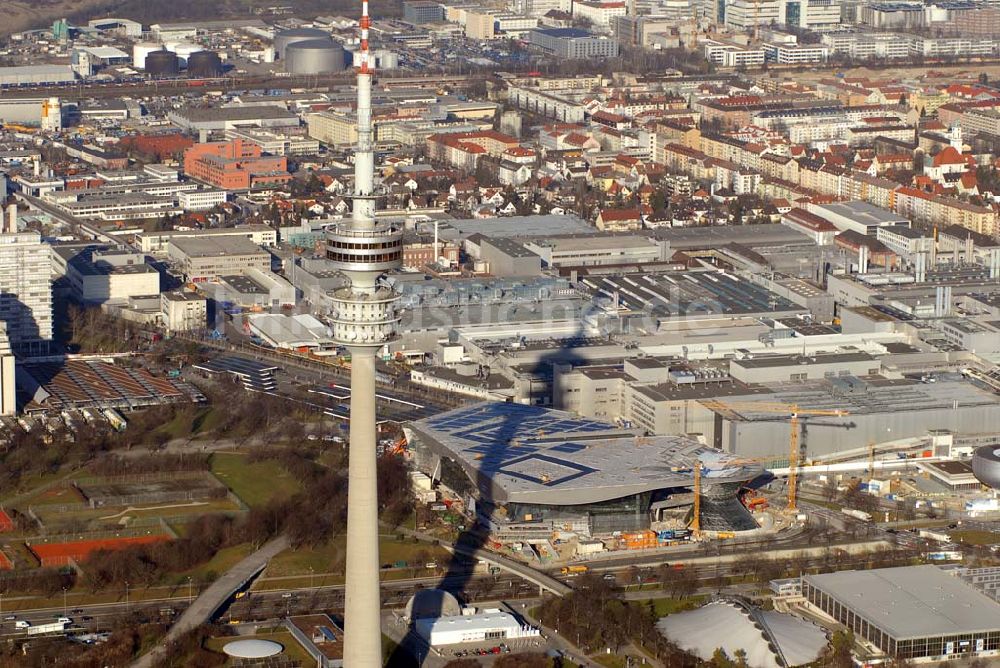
532 466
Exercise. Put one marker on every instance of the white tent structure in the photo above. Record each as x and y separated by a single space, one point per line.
734 626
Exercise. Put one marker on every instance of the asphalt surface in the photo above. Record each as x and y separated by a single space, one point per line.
210 600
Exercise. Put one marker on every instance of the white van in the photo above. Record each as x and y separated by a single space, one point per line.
21 624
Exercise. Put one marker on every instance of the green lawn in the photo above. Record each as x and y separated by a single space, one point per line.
187 424
223 560
329 558
973 537
668 606
257 482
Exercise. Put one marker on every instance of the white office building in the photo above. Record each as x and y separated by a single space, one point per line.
201 200
26 291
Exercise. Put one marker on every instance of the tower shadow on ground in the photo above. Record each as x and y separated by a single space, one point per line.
459 575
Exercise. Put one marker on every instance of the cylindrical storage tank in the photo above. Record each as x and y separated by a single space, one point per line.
142 49
283 39
986 465
386 59
162 64
204 64
314 56
184 50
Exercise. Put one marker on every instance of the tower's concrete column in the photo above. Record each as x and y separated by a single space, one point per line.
362 627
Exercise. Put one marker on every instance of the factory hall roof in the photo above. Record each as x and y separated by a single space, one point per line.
912 601
529 454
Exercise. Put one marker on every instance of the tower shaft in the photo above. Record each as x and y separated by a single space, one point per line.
363 320
362 605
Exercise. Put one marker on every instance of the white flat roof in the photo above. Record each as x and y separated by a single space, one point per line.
468 623
912 601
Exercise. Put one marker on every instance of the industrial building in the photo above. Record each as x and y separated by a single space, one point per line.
36 75
207 258
526 464
573 43
223 118
157 243
101 275
879 409
590 250
911 612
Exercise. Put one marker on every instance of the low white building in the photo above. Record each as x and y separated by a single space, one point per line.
485 626
201 200
183 311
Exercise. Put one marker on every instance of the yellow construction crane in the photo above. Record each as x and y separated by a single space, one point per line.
793 411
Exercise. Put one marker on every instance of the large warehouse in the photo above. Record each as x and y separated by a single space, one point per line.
912 612
530 464
36 75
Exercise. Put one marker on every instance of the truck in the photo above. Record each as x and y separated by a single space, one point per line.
574 570
857 514
43 629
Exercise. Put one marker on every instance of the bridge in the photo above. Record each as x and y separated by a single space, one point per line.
208 603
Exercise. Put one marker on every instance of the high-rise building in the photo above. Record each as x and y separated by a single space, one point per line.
364 321
26 291
8 393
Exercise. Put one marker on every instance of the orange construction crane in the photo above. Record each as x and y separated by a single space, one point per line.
794 412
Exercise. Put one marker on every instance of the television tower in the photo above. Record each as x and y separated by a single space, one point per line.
364 320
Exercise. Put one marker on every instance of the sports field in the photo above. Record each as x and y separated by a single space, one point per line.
59 554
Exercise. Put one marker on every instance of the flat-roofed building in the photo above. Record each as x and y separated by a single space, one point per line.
507 257
100 275
235 165
26 291
207 258
861 217
598 249
573 43
157 243
911 612
183 311
225 118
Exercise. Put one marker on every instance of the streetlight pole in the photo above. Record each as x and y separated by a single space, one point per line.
310 577
65 607
126 597
189 590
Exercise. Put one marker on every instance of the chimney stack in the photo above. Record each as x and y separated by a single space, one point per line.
11 226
